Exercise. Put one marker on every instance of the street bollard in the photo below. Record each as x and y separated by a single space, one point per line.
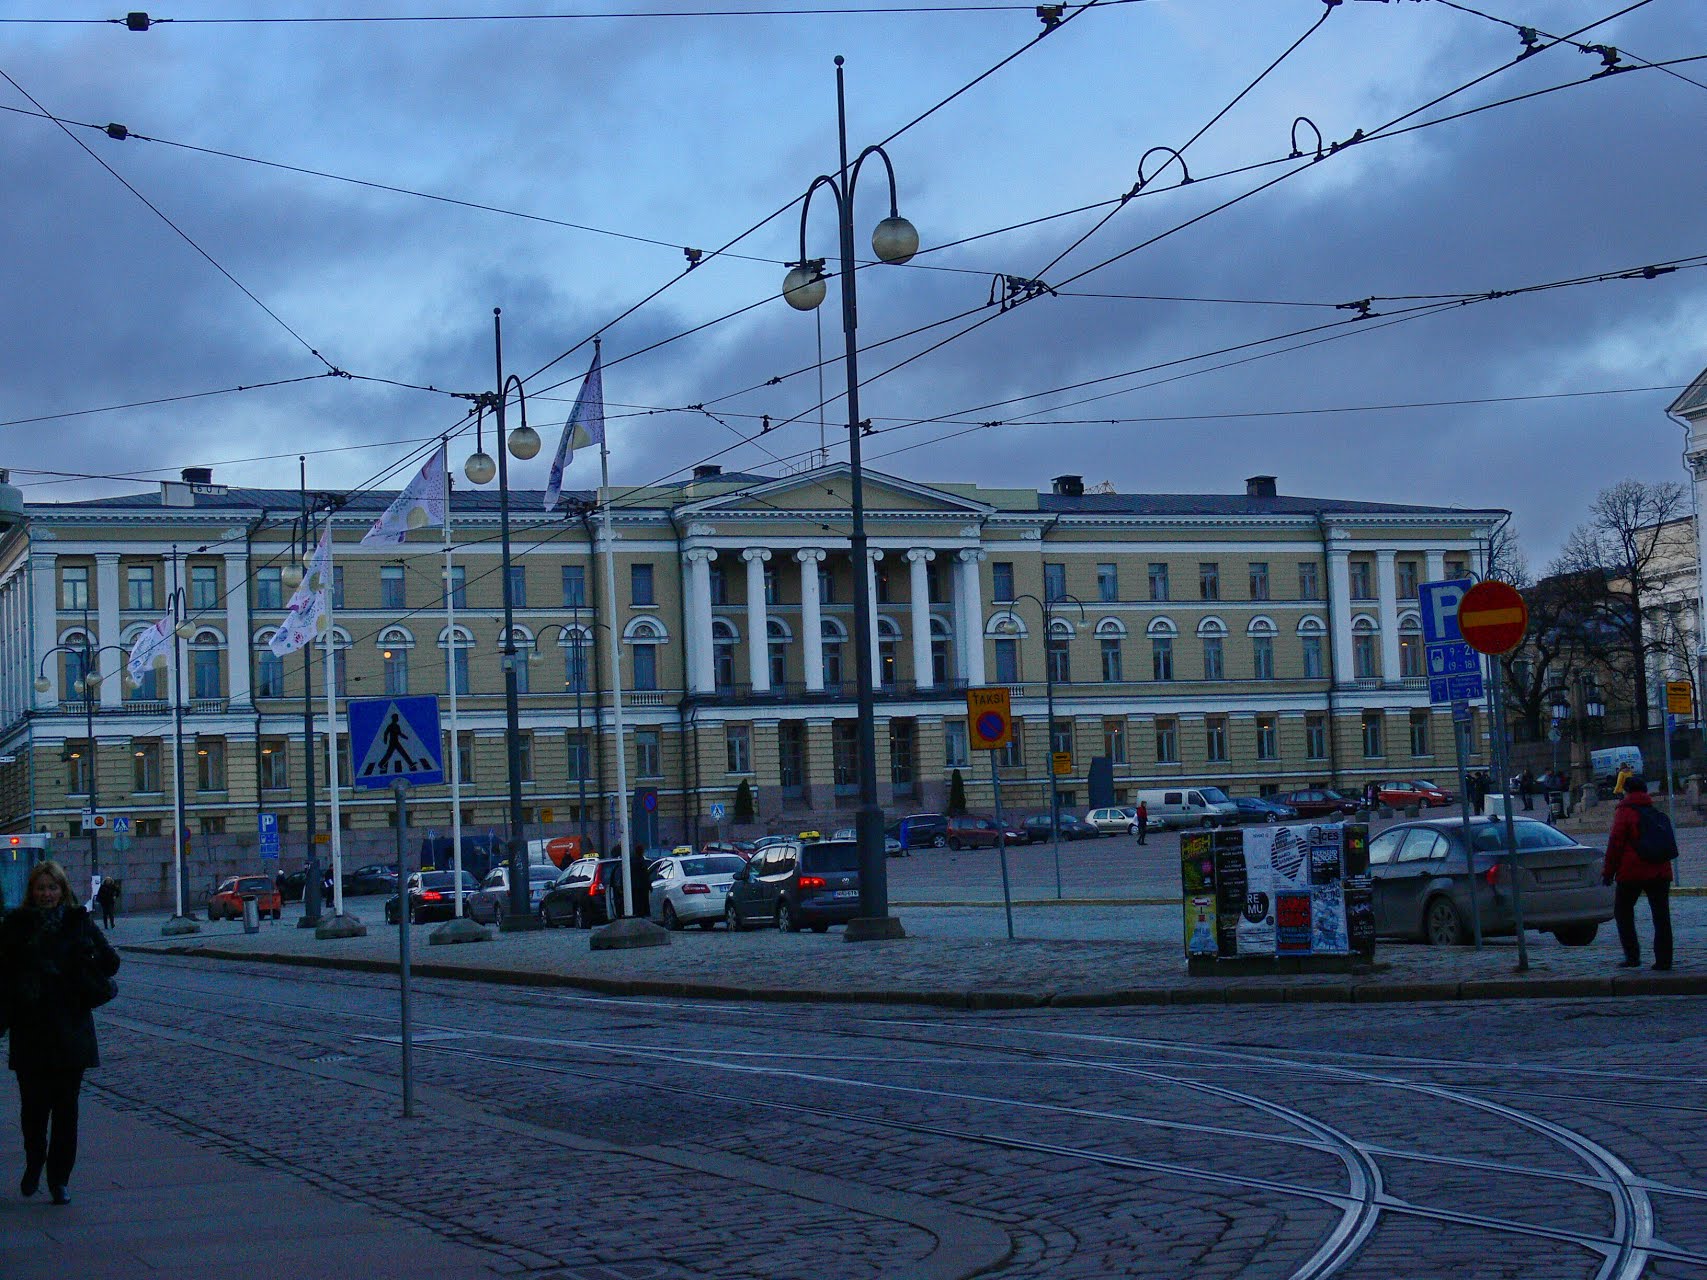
251 914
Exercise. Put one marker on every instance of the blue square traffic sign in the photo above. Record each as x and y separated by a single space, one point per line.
1439 601
1453 658
1456 688
395 739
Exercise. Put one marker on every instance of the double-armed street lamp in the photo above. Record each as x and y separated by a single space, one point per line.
895 240
85 686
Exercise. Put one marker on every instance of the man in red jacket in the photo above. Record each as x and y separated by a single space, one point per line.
1637 876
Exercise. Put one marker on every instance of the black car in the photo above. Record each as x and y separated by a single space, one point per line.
584 895
789 885
432 896
922 831
292 886
1263 809
376 877
1071 827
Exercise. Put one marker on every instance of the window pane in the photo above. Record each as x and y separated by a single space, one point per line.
1209 580
1054 581
391 587
1108 582
1158 581
1259 580
1002 580
574 586
1162 658
640 584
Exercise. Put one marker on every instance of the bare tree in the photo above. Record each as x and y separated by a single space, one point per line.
1552 654
1612 557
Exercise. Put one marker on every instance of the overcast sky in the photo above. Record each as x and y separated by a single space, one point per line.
688 130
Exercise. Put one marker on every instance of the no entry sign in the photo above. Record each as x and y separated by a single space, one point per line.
1492 617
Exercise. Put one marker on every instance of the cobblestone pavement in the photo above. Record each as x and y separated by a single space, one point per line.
561 1131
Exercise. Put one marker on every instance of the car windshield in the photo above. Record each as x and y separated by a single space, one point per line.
542 874
832 855
712 866
1213 794
1489 837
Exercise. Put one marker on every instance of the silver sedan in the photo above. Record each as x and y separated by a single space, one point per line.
692 888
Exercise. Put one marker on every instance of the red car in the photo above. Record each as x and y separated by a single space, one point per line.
1318 802
1404 795
226 902
970 831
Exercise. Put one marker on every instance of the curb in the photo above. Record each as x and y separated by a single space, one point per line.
1342 992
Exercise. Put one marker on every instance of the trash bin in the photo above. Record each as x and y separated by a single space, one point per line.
1556 806
251 914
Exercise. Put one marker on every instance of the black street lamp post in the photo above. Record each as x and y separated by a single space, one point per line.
86 686
895 241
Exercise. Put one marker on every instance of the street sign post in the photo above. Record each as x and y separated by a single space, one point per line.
268 824
989 720
717 812
1454 669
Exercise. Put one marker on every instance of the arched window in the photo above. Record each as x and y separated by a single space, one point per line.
394 645
460 645
723 640
206 649
777 638
1262 632
1162 633
1363 632
1311 633
1111 639
834 638
1411 653
577 644
888 646
1058 651
941 636
644 635
72 666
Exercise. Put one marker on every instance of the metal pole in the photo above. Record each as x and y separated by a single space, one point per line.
94 759
868 822
1002 844
518 916
179 862
311 859
622 814
580 730
1460 731
333 786
1054 791
1504 766
1671 798
400 789
450 685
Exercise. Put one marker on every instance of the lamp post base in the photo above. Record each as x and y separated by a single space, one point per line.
460 929
306 921
179 925
510 922
628 932
340 926
873 929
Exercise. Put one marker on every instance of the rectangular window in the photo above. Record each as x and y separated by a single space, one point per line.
844 755
1457 567
1312 657
210 763
580 758
880 583
1054 581
1268 738
214 826
1108 583
145 764
1214 658
337 586
574 586
1161 657
1208 580
1111 659
275 764
640 585
645 666
397 672
1114 739
1259 579
465 755
1262 657
392 593
1167 740
269 589
459 664
1372 737
1061 736
577 664
459 586
204 672
519 664
139 586
718 583
1060 661
1362 580
1316 736
74 587
1363 656
1406 571
1007 661
77 766
1001 580
1411 655
954 750
738 747
269 674
1309 581
1215 737
1158 580
826 585
1419 732
773 591
648 753
518 586
524 755
1012 756
148 689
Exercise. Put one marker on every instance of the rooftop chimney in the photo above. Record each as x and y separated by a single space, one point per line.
707 471
1070 486
1260 487
197 475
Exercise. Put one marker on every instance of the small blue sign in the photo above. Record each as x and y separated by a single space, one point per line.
121 824
1439 601
1451 658
717 812
1461 712
1465 687
268 824
395 739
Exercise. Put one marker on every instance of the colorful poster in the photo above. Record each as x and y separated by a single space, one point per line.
1293 934
1255 930
1327 895
1197 878
1230 888
1360 914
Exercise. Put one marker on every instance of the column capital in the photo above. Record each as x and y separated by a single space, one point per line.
697 555
755 553
972 555
809 555
1387 556
112 557
921 554
873 554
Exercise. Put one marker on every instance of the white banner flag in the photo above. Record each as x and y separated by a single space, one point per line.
305 616
152 644
586 425
421 505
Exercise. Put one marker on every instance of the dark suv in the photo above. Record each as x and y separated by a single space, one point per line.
790 885
922 831
584 895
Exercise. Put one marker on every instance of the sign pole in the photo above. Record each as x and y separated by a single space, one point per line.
1460 732
990 727
405 1039
1501 755
1002 844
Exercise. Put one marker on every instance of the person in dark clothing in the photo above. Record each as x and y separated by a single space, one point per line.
43 946
1143 823
1528 786
1636 877
108 896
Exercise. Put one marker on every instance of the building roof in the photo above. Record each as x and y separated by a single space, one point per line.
1232 504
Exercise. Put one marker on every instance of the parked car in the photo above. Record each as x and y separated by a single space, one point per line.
1072 827
1184 806
742 849
1111 822
582 894
1423 881
1318 802
921 831
432 896
892 846
975 831
1405 795
1262 809
814 885
492 900
376 877
765 842
291 888
692 889
226 901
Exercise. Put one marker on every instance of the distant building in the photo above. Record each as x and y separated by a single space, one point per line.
1255 640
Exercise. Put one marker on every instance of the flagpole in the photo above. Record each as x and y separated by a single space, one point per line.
615 648
455 752
332 727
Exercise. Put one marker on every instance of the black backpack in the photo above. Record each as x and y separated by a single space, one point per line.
1655 840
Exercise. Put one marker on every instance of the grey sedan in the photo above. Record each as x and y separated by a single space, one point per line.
1423 884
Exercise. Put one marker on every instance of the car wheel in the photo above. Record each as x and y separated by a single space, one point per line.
732 918
1441 923
544 919
583 916
939 842
1207 823
823 926
708 925
1132 830
786 920
1271 817
671 922
954 843
1576 935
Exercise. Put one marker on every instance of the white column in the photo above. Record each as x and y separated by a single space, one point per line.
758 623
1387 594
237 630
44 606
1339 590
1434 566
969 616
918 589
700 673
811 619
109 664
873 556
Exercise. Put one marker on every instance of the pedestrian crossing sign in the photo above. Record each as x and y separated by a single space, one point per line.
395 740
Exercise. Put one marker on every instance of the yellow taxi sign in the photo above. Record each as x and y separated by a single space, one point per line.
989 718
1680 698
1062 762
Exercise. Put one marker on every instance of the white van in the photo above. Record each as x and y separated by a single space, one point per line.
1189 806
1604 763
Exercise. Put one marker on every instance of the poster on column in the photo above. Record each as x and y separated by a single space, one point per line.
1254 932
1329 936
1197 879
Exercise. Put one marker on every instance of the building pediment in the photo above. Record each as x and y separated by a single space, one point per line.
831 489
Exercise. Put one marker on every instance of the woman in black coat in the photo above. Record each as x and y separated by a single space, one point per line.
48 946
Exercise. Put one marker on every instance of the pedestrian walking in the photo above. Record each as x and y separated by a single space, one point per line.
1143 823
55 966
1639 850
1528 785
108 896
1622 780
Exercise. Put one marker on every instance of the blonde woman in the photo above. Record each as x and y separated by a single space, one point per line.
49 949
